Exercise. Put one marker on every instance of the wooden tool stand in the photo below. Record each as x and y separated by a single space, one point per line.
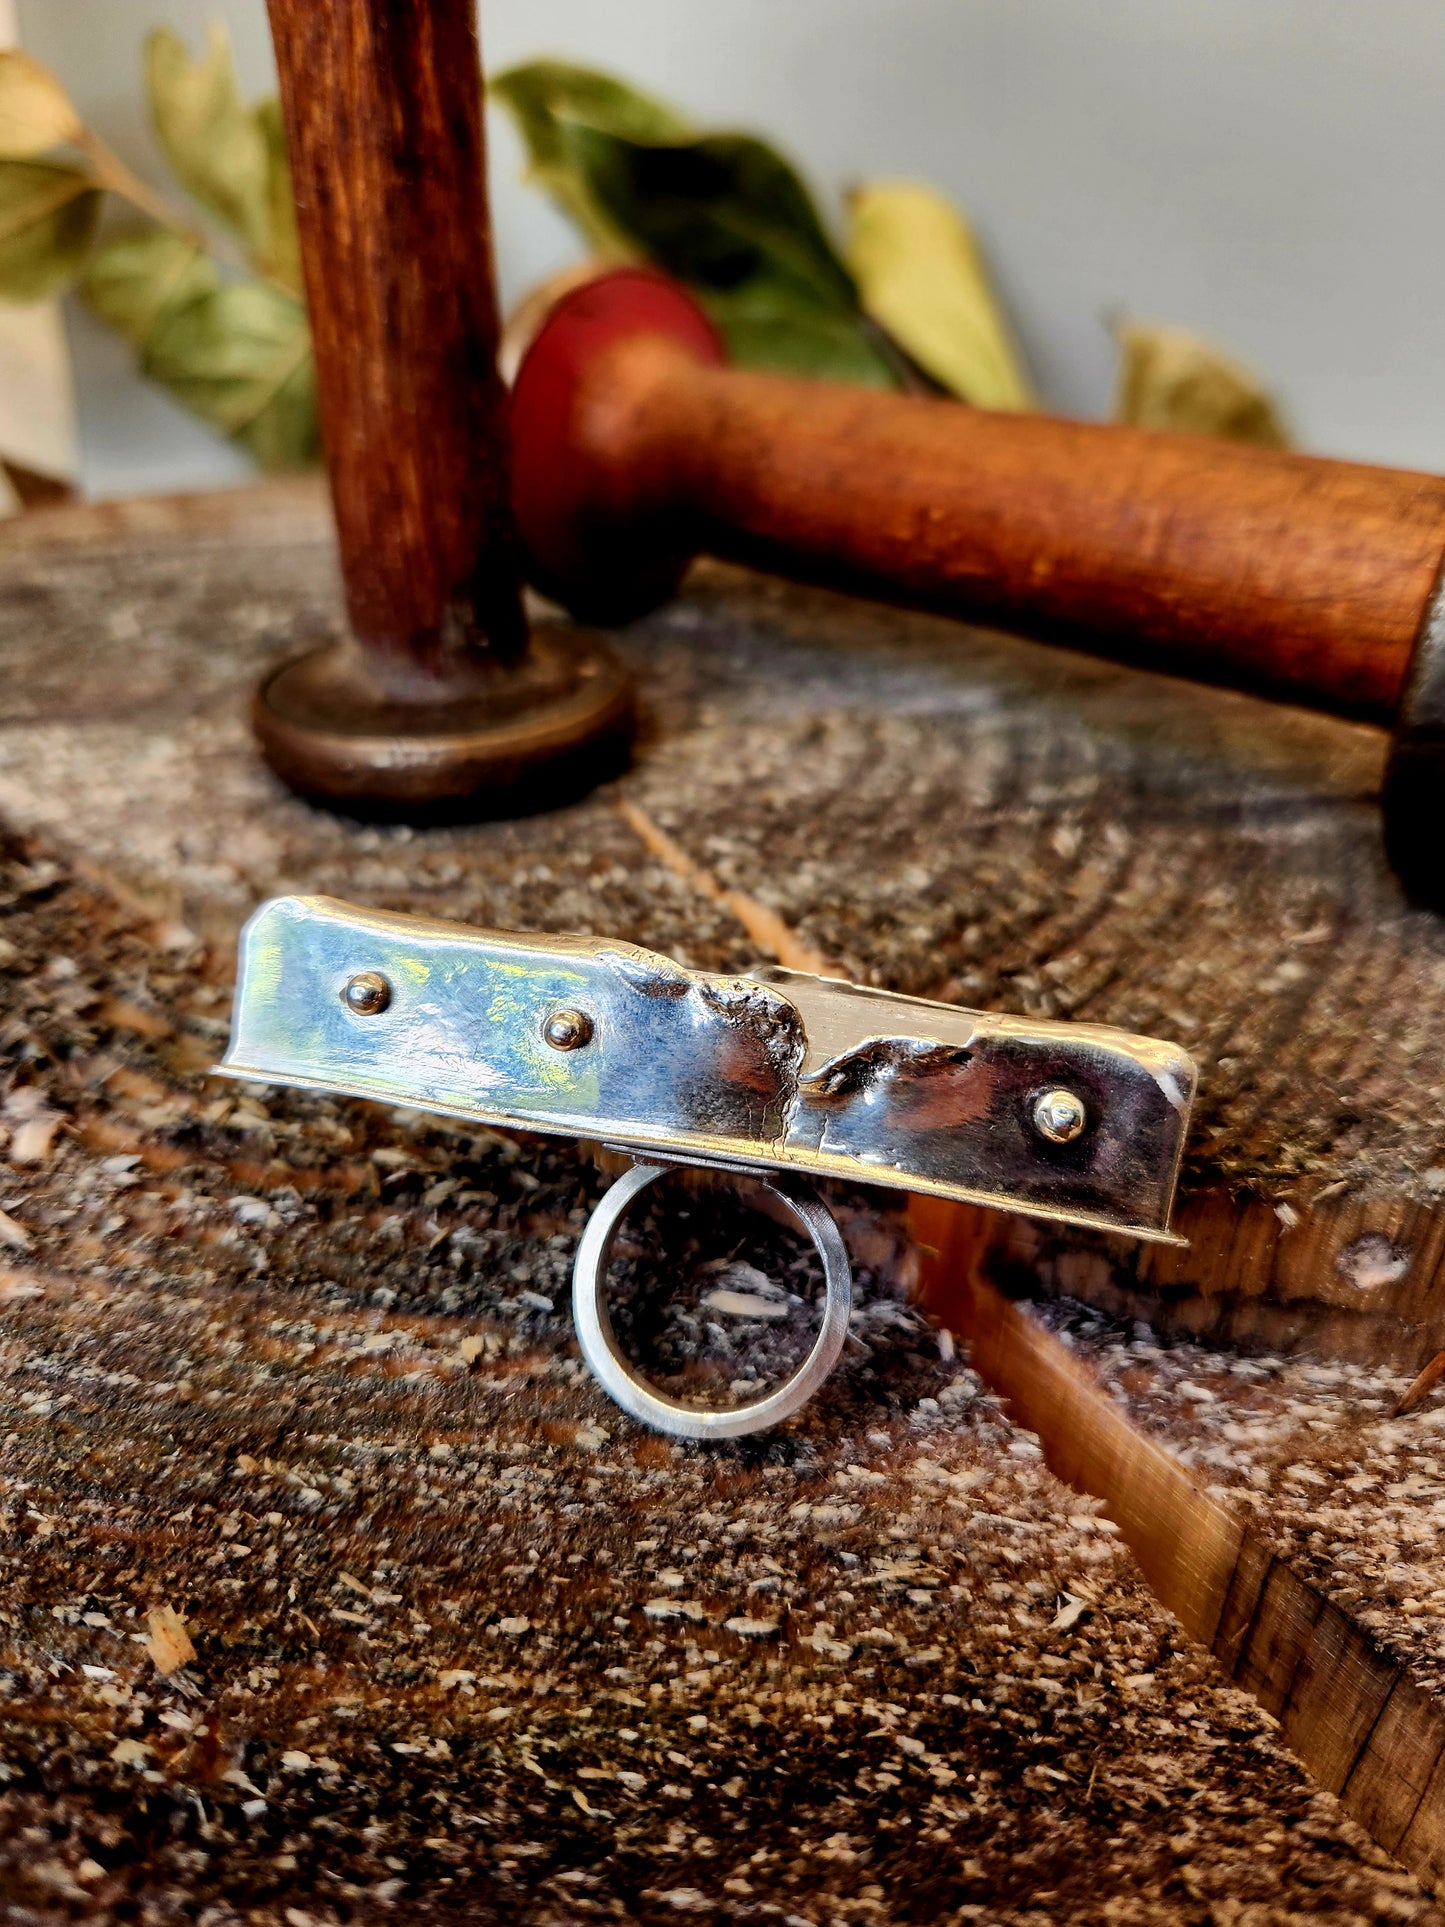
435 698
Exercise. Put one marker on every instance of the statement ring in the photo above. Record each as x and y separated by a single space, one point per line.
631 1391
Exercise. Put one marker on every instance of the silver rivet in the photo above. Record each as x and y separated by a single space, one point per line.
367 994
568 1029
1060 1116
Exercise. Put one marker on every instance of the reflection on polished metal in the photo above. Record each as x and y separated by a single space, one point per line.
631 1391
568 1029
1060 1116
775 1071
367 994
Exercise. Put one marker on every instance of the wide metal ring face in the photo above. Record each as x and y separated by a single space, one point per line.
631 1391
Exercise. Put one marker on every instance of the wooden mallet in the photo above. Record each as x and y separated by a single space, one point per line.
636 447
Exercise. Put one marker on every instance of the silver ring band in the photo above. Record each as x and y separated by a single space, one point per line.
632 1392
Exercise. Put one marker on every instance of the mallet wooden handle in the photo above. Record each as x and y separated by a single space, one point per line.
1263 570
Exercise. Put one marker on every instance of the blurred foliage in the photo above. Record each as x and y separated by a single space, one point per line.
222 328
1169 378
905 302
216 314
723 213
921 276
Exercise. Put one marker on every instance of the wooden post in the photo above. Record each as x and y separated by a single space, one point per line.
438 698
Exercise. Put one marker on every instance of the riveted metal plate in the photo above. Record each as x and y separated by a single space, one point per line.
776 1070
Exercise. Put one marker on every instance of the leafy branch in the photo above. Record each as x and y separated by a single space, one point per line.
906 295
904 302
226 334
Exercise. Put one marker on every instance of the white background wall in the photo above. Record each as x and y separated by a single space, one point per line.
1270 172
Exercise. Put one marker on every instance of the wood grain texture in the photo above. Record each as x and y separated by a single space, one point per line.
1188 1547
1336 1672
290 509
382 104
286 1365
1001 824
996 823
1246 566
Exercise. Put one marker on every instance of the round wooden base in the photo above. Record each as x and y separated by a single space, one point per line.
502 740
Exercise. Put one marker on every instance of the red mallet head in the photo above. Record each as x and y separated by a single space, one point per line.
602 536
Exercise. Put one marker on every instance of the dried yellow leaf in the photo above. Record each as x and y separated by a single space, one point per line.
48 213
35 110
1171 379
921 277
215 143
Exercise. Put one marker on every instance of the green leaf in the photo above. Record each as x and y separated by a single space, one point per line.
723 213
133 280
282 257
231 157
236 353
728 216
212 139
921 277
240 357
1171 379
543 97
47 219
800 341
35 110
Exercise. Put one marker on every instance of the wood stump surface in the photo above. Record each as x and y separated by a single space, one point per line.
469 1644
